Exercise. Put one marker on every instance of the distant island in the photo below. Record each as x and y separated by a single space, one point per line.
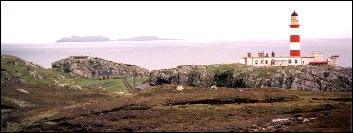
145 38
83 39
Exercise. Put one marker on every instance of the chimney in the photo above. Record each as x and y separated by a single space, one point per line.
273 54
249 55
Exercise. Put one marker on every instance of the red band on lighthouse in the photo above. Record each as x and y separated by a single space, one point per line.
294 38
294 53
294 26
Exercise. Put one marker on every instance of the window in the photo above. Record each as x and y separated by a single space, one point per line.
295 61
256 62
265 61
289 61
303 62
262 61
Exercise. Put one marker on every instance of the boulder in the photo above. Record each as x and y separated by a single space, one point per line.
97 68
213 87
180 88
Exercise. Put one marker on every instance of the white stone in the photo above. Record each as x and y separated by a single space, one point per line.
214 87
279 120
305 120
120 92
22 90
62 85
77 87
39 76
179 88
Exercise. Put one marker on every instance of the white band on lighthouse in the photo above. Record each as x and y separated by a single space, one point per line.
294 46
294 31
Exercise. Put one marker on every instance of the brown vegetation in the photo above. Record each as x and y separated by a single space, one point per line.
163 108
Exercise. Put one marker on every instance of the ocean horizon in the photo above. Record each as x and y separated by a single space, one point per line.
164 54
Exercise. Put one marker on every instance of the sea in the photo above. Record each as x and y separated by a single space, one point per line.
164 54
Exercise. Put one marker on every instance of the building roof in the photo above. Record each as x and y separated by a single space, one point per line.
294 13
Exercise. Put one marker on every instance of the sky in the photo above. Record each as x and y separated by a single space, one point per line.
46 22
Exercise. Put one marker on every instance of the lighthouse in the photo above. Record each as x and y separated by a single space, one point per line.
295 58
294 36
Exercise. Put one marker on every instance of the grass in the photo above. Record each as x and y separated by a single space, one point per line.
265 71
221 68
19 69
110 85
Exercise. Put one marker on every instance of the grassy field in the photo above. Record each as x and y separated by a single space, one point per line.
110 85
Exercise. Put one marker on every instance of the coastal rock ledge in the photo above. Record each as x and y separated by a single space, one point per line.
311 78
97 68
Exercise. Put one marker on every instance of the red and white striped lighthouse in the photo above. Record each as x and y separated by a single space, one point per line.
294 36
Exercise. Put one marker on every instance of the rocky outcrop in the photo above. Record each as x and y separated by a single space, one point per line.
183 75
16 70
312 78
97 68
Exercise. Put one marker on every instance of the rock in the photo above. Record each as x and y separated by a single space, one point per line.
213 87
280 120
143 86
306 120
62 85
97 68
5 76
77 72
39 76
77 87
180 88
183 75
22 90
120 92
309 78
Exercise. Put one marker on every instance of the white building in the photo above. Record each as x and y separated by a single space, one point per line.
272 60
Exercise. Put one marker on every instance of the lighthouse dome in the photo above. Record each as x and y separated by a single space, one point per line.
294 13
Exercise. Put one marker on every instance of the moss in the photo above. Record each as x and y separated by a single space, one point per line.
221 68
